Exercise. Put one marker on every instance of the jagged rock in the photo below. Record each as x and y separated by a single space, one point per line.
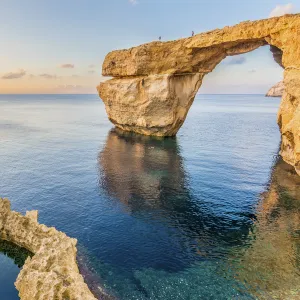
277 90
154 84
52 272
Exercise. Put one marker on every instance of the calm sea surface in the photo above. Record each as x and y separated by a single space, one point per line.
210 214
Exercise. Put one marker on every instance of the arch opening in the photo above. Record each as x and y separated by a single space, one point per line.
254 72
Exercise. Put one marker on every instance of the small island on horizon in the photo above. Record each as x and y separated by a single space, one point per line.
276 90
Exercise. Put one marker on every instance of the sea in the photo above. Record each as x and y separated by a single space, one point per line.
213 213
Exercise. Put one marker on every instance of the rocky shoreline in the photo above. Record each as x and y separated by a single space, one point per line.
52 272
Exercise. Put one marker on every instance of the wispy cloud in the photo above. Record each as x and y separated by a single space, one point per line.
281 10
252 71
92 66
14 75
134 2
91 71
48 76
236 60
67 66
69 86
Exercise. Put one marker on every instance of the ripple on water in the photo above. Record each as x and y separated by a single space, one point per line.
186 218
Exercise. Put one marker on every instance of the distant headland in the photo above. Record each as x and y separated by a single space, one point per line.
277 90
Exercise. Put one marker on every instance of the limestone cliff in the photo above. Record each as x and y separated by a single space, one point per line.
52 272
276 91
154 84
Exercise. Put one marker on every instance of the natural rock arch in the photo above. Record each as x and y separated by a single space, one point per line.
155 84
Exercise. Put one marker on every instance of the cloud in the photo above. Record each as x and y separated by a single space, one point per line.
67 66
281 10
134 2
252 71
91 71
92 66
48 76
14 75
69 86
236 60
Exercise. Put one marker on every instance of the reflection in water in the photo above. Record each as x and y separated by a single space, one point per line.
259 250
147 175
142 167
272 263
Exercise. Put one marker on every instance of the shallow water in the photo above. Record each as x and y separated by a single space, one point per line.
12 258
193 217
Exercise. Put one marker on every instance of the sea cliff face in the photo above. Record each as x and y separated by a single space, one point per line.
154 84
277 90
52 272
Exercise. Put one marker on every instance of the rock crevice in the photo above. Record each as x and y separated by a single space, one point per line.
154 84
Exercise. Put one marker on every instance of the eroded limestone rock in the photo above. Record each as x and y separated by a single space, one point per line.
154 84
52 272
151 105
276 91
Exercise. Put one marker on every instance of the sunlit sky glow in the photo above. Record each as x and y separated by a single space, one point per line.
58 46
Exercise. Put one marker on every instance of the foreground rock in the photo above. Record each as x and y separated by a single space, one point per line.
52 272
155 84
277 90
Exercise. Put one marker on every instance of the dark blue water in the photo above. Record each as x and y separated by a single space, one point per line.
8 274
179 218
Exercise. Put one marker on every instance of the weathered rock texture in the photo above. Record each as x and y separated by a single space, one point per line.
52 272
154 84
277 90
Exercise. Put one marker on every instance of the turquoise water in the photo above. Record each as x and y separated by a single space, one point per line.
179 218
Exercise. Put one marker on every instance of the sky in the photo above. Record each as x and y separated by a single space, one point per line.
58 46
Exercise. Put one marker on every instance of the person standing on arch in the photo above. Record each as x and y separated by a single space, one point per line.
193 33
159 38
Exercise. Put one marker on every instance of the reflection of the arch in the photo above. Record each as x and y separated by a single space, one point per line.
271 265
14 252
140 166
147 175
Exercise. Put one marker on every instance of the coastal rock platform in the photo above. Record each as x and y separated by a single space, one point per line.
52 271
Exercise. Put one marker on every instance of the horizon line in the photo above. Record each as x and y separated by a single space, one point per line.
5 94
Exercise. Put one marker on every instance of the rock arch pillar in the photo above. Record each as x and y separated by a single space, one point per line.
151 105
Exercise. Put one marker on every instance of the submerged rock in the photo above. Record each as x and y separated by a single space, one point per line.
155 84
277 90
52 272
